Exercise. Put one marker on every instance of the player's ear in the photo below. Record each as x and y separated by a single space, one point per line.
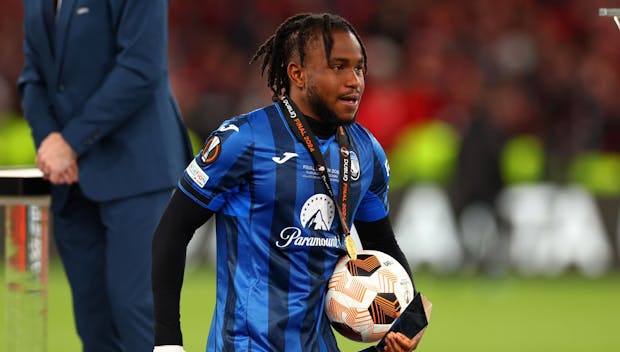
296 74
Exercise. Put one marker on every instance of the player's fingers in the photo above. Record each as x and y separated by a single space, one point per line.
403 343
391 344
415 341
398 342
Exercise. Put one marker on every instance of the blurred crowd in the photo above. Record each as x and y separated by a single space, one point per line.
490 70
472 95
548 68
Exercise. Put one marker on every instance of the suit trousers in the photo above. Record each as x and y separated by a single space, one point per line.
105 248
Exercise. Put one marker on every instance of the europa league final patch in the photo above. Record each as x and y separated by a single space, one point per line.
211 150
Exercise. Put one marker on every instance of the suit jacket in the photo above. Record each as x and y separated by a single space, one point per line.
101 79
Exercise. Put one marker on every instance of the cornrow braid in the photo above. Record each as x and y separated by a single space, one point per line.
290 38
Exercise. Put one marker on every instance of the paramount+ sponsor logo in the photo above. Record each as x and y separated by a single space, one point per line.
317 215
292 236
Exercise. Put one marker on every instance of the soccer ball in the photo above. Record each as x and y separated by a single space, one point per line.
365 296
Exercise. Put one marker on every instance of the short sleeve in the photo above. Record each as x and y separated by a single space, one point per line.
374 203
222 166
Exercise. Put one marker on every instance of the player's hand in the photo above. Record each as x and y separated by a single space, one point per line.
57 160
168 348
398 342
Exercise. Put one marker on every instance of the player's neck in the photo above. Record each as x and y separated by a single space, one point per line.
321 129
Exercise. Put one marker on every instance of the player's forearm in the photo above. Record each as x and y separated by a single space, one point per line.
379 235
176 227
167 280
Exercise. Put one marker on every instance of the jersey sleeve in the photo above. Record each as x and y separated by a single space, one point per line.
222 166
374 203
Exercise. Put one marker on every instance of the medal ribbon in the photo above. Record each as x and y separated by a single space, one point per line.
299 125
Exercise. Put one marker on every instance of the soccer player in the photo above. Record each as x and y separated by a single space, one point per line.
278 180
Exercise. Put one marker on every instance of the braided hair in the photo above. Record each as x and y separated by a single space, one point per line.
294 34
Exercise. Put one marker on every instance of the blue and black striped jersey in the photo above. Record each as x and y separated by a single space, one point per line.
278 235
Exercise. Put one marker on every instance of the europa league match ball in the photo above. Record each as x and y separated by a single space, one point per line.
364 296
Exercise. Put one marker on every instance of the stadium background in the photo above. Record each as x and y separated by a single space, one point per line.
501 120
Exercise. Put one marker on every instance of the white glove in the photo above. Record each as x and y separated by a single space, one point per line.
168 348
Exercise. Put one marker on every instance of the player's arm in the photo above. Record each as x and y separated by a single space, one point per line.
371 221
379 235
176 227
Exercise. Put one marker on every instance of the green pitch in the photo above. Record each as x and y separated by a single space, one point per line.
470 313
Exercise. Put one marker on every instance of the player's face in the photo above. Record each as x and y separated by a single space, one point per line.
335 85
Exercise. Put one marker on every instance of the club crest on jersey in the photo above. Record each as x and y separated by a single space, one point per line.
355 163
355 166
211 151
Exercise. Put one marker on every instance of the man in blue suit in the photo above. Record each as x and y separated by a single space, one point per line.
110 139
